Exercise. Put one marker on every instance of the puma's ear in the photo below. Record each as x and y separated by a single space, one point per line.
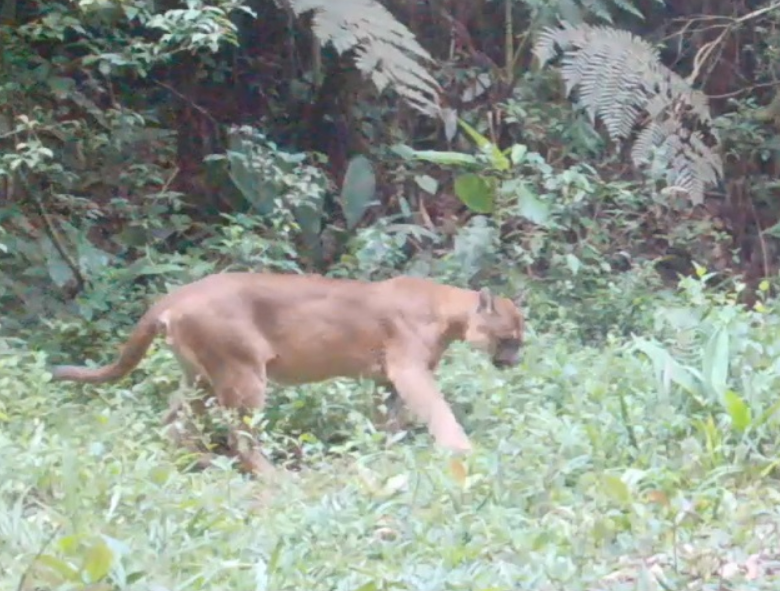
486 303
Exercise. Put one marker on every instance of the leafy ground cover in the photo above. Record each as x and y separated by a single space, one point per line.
641 463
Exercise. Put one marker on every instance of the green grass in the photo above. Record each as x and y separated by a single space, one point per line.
592 471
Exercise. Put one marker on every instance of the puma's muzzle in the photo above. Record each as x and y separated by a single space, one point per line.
506 362
507 353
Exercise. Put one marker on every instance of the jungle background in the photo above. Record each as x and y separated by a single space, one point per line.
615 161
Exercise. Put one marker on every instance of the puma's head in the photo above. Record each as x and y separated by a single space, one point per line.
496 326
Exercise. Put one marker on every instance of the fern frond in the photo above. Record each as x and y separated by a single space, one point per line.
620 79
579 11
628 7
385 49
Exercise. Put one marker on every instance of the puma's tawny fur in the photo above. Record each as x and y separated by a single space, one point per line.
233 332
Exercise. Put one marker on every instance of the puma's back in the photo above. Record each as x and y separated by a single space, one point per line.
309 327
315 328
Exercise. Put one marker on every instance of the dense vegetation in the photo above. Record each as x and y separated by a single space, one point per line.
616 160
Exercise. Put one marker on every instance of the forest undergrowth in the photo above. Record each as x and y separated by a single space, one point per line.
635 447
639 462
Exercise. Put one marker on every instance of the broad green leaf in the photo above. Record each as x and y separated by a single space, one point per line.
773 230
259 194
573 263
69 544
715 366
668 369
614 487
98 560
479 139
309 218
144 267
427 183
498 158
59 271
531 207
450 119
475 192
402 150
518 153
61 85
738 410
136 576
394 485
358 190
90 258
443 157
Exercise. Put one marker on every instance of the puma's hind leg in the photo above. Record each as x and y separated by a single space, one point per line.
242 389
231 360
180 423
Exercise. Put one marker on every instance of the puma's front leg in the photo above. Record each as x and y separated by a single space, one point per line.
417 388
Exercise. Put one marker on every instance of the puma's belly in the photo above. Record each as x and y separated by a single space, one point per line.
314 350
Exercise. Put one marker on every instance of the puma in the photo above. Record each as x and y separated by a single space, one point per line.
233 332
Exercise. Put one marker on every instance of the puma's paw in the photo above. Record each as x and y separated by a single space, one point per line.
456 442
255 463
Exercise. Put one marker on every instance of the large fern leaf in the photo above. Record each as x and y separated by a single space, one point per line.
620 79
386 50
579 11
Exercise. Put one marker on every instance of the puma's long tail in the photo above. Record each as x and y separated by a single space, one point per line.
131 354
